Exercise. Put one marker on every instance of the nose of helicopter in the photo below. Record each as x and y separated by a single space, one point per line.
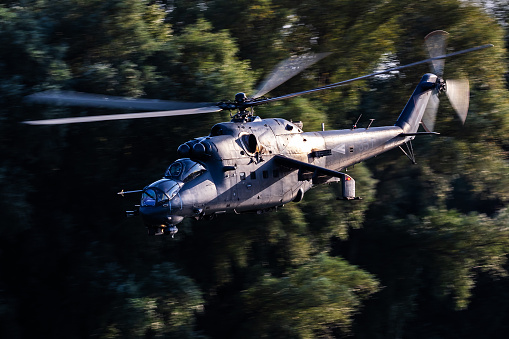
159 215
159 204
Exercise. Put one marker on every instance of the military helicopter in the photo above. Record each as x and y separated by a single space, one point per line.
257 165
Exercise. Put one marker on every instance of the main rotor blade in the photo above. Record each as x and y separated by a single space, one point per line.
125 116
435 43
71 98
458 92
341 83
286 70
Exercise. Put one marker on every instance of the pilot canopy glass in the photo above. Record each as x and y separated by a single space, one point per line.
184 170
160 192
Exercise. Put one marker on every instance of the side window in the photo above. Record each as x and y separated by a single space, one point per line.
265 174
242 175
253 175
175 170
194 172
275 173
194 175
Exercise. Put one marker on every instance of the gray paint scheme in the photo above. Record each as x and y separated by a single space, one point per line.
263 164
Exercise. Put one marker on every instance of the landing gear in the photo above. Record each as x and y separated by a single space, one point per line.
172 230
163 230
410 154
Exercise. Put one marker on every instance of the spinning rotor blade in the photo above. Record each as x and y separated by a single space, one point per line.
458 92
70 98
173 108
435 43
286 70
341 83
108 117
430 113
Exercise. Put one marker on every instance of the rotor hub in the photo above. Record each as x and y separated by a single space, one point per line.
240 97
243 105
441 85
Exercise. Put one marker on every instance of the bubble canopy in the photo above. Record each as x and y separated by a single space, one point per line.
184 170
162 191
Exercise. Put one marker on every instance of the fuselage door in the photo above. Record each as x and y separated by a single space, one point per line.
231 197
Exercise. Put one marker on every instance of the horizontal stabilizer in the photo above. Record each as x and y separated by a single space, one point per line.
417 133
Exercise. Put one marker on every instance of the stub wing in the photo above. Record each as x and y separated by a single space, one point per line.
305 168
319 175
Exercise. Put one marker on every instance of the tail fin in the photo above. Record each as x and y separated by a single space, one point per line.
413 112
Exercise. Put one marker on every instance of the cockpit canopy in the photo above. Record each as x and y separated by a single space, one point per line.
160 192
184 170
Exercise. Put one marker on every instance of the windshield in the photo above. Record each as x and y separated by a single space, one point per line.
184 170
159 192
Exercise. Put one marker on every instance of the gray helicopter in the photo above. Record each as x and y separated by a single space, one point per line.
257 165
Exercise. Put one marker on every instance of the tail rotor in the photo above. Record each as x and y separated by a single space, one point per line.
457 90
435 44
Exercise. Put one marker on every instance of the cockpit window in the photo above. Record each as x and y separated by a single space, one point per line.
160 192
185 170
194 172
148 198
175 169
172 192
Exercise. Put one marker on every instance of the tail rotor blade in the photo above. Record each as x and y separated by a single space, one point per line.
430 113
435 43
458 93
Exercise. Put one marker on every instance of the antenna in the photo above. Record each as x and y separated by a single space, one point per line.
355 125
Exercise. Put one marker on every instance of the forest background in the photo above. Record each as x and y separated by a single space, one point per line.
423 255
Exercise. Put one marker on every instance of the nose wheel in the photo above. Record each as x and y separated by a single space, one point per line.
163 230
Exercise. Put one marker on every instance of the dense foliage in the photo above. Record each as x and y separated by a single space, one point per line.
423 255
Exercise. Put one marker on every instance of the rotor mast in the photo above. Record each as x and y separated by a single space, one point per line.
243 105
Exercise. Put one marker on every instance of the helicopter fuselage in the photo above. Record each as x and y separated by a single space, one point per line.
256 165
242 168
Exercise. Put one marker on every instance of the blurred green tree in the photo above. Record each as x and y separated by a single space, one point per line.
312 300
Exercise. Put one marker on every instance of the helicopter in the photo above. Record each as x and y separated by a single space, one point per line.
258 165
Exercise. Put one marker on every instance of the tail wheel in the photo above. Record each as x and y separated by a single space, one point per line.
299 196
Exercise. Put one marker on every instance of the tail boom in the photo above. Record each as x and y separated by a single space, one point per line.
413 112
